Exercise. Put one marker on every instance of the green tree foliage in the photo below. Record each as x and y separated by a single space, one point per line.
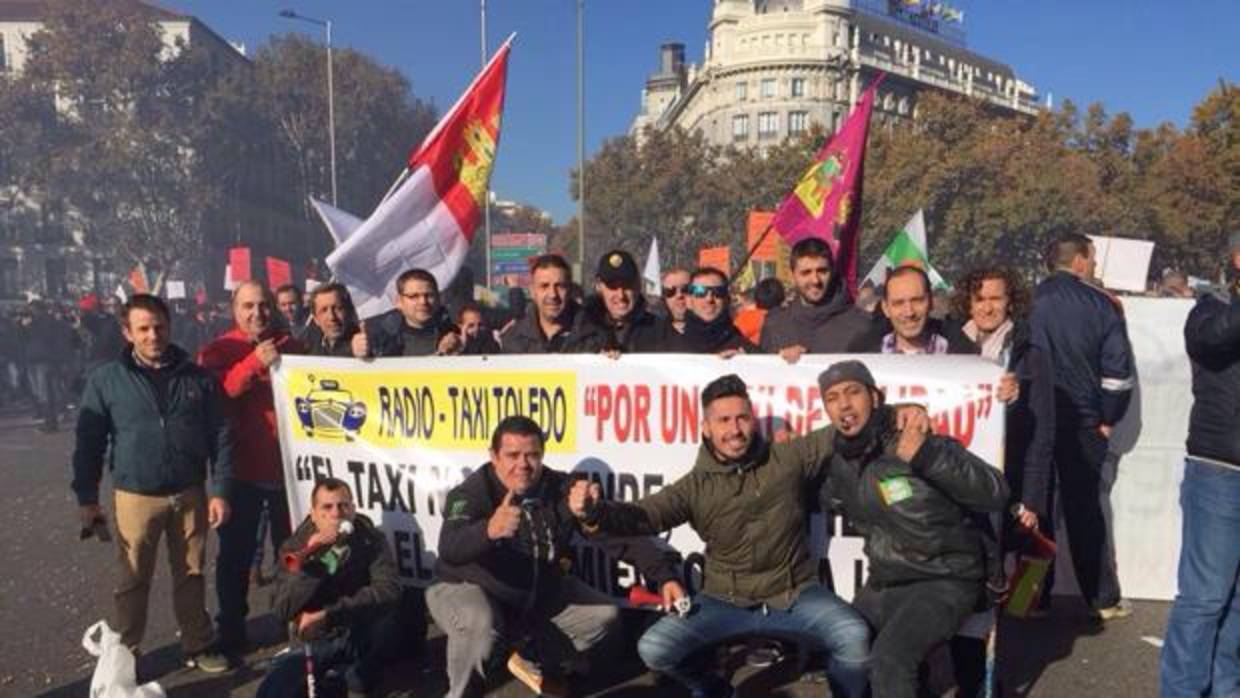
993 187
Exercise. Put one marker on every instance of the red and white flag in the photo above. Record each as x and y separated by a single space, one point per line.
429 221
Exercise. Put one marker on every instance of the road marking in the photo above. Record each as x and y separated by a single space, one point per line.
1155 641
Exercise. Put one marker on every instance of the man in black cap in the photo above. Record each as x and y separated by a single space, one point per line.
917 499
618 307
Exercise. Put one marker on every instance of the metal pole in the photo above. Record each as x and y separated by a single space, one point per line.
486 200
581 148
331 110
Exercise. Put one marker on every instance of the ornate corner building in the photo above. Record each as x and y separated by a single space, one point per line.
773 68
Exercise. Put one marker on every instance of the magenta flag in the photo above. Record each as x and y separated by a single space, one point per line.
826 202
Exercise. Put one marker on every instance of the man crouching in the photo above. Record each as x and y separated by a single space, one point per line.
504 563
338 587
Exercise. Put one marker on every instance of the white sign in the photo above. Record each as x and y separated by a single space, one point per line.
1123 264
174 289
403 431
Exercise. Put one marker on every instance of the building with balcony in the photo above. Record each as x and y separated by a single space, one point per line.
773 68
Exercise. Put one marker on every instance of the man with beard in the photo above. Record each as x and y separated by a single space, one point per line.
708 324
556 325
915 499
819 318
907 302
333 330
748 498
618 309
417 326
675 285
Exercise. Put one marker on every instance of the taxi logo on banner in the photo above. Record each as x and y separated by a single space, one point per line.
328 411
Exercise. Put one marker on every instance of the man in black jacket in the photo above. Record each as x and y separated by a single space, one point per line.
1203 631
618 309
160 420
909 329
555 324
820 318
333 330
504 556
1081 330
418 325
338 589
708 324
915 499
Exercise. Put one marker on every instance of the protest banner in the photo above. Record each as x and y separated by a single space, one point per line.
403 431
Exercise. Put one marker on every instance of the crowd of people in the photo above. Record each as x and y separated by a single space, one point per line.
184 420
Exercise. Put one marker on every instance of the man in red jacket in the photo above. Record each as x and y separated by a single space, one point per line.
241 358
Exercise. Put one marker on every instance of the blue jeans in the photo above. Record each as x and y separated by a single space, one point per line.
358 652
818 620
1201 653
238 539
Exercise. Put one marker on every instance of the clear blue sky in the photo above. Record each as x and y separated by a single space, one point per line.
1154 60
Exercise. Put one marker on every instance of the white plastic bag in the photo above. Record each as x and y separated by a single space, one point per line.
114 674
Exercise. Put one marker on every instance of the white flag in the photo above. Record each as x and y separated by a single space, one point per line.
907 247
340 223
653 273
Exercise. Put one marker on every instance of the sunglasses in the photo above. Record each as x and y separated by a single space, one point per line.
673 291
701 291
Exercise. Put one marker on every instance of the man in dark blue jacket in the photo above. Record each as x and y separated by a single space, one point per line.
1081 329
1203 632
163 418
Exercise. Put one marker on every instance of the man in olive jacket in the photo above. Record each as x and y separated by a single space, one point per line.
163 418
916 500
746 498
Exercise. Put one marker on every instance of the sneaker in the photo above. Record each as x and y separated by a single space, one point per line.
208 662
529 674
1123 609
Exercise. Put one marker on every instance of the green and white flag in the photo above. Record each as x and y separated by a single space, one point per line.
907 247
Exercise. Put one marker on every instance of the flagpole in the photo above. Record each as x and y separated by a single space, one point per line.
486 199
752 250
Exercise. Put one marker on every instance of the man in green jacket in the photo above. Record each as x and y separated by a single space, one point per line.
746 498
163 418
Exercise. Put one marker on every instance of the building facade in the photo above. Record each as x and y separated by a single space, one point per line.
773 68
42 253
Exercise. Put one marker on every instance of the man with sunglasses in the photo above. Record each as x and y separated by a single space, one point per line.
618 308
820 317
676 298
708 324
418 326
555 324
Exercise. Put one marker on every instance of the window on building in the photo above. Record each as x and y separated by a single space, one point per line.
797 87
768 124
768 87
740 127
54 270
9 286
798 122
742 90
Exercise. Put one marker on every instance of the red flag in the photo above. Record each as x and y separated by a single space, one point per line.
826 202
137 279
278 273
238 265
429 221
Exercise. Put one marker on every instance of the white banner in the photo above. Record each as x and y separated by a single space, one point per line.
403 431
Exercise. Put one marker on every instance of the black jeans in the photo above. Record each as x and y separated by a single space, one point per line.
909 620
359 652
1079 459
238 540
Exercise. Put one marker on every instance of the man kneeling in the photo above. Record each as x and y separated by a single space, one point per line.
504 562
915 499
338 586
